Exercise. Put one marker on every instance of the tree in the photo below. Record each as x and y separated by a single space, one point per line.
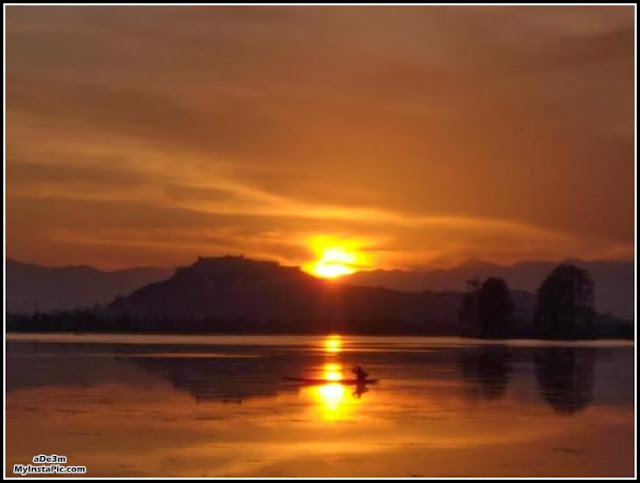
486 309
565 304
494 308
468 313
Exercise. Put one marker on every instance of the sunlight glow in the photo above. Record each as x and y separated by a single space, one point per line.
335 258
334 262
331 269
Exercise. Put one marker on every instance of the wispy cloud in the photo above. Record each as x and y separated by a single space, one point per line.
447 132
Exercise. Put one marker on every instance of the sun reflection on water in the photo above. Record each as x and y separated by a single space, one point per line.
332 372
333 344
333 401
332 395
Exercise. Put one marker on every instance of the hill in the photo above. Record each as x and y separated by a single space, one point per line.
33 288
239 294
231 293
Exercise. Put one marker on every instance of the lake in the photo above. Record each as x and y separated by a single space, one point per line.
191 406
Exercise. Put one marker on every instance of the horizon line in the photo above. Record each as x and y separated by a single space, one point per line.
409 270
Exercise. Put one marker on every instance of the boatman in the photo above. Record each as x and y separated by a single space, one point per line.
361 376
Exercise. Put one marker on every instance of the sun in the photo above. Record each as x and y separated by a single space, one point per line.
334 262
334 258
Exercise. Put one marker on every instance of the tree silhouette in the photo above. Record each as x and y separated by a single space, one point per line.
565 304
494 307
468 313
486 309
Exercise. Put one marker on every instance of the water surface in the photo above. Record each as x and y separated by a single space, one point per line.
133 405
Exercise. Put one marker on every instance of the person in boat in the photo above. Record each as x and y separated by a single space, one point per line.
361 375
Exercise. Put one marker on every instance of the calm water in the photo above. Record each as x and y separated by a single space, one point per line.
127 405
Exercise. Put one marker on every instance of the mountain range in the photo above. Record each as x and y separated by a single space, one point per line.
31 287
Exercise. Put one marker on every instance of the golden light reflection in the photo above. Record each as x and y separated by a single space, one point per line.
335 258
333 344
332 395
332 372
330 400
333 401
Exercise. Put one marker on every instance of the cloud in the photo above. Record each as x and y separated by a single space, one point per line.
500 131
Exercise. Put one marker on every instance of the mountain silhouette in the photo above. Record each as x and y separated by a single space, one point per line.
239 292
235 294
614 281
33 288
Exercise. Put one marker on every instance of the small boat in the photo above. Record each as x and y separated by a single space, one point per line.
350 382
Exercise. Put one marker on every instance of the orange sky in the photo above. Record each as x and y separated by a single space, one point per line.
424 135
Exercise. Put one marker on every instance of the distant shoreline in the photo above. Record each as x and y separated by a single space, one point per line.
480 340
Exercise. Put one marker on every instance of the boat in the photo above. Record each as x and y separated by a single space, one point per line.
349 382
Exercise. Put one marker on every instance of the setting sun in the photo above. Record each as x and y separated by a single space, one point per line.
335 258
334 262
